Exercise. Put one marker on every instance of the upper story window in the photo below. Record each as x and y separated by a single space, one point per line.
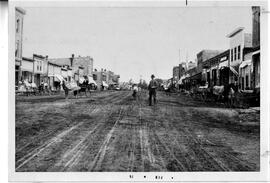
17 49
17 25
39 66
231 55
235 52
239 51
95 77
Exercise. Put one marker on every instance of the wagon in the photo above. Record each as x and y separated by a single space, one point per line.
244 99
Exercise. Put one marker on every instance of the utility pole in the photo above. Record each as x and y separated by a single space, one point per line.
187 60
179 72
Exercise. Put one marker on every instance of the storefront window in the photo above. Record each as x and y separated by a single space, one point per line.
247 81
17 25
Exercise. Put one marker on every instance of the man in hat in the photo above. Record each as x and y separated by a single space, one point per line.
152 89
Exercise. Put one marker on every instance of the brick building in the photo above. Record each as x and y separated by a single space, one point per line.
178 72
256 47
216 69
19 16
75 67
240 47
205 55
105 79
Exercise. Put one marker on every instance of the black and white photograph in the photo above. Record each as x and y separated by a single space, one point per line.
137 89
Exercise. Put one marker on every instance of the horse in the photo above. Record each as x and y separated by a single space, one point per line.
218 92
204 91
70 87
168 89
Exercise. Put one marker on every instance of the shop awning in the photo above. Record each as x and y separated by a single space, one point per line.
81 80
91 80
105 84
58 76
223 64
27 84
196 76
234 71
256 52
181 80
33 85
111 83
245 63
214 67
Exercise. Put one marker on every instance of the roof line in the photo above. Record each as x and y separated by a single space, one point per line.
238 29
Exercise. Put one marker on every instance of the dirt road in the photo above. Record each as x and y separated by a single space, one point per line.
110 131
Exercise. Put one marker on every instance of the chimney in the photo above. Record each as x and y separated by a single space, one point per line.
71 60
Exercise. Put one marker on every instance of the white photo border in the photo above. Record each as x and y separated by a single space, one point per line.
262 175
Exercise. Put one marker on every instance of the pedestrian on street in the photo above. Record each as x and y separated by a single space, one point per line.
152 90
135 91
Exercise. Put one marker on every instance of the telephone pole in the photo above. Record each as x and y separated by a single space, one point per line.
179 72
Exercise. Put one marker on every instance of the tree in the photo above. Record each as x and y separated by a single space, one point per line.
130 82
143 84
160 82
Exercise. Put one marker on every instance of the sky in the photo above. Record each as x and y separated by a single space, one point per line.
132 42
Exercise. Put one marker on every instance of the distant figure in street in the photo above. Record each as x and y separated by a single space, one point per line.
41 87
135 91
65 88
152 89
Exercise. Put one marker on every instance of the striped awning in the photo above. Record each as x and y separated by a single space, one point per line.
91 80
81 80
234 71
245 63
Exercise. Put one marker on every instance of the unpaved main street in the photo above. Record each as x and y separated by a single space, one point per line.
110 131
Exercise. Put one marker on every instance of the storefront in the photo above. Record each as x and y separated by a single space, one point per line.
91 80
27 69
223 73
233 74
64 73
69 74
245 70
54 70
104 85
256 70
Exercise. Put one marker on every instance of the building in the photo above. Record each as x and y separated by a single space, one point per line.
27 66
75 67
116 78
100 77
105 79
178 72
215 69
205 55
19 15
191 65
40 69
240 46
53 70
256 47
191 78
223 68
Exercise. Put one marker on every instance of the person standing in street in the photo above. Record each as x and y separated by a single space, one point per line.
152 90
